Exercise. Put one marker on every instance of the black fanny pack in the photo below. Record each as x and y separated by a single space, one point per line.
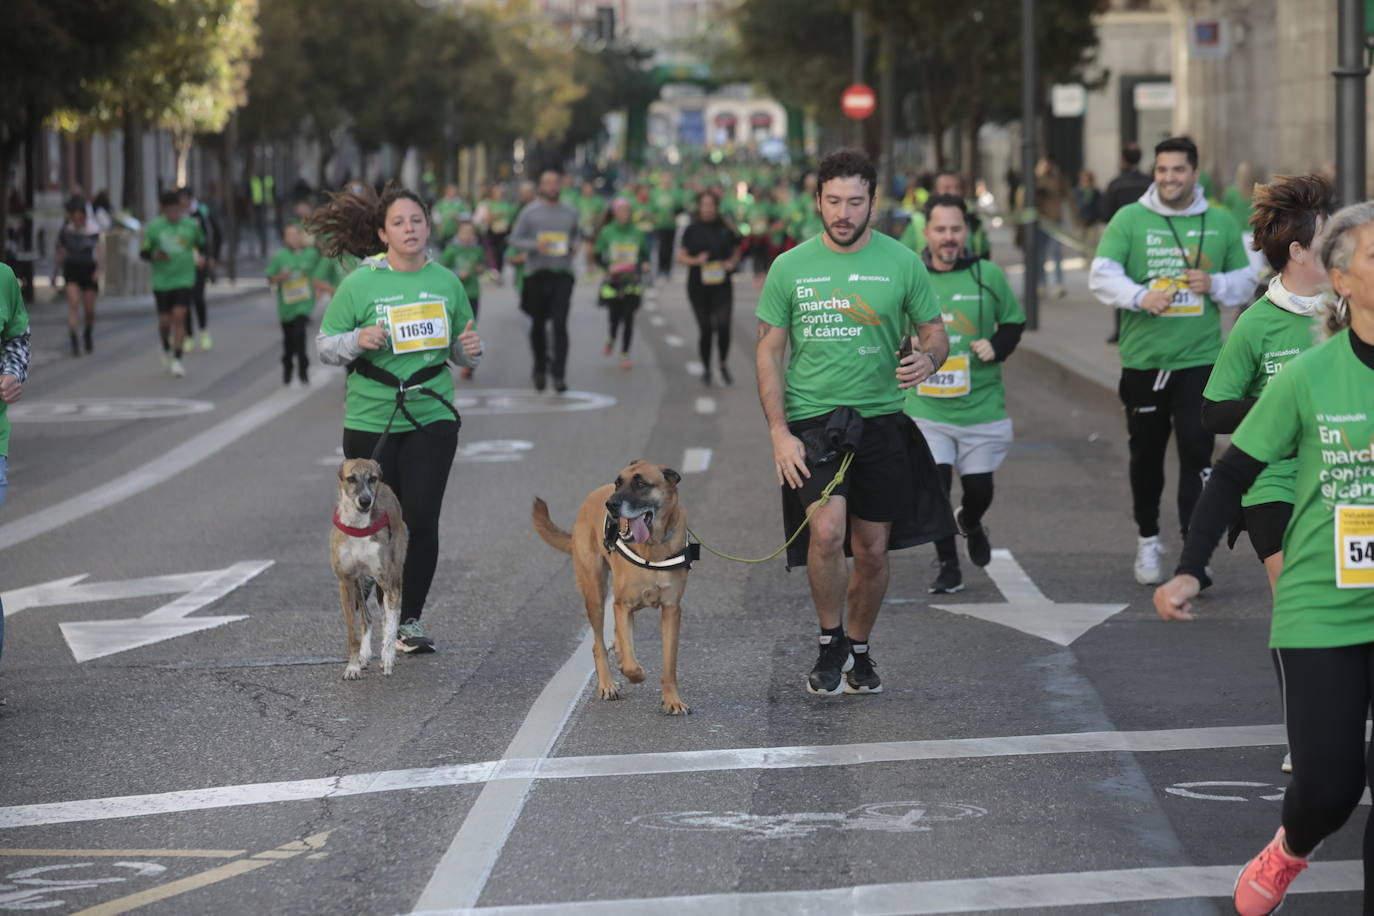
841 432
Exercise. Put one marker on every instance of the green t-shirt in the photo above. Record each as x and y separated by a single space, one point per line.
366 297
1320 405
468 259
664 206
846 314
180 240
806 222
914 235
967 390
331 271
1264 340
1141 240
501 215
14 320
620 246
447 212
296 294
589 210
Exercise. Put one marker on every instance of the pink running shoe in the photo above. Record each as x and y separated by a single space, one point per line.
1264 880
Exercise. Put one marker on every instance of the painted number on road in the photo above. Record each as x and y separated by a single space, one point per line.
890 817
105 409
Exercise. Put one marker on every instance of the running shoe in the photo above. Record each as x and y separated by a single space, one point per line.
1147 555
625 362
87 339
1264 880
725 375
863 677
949 580
189 344
205 342
609 347
539 381
559 385
177 369
979 547
827 677
410 638
1287 765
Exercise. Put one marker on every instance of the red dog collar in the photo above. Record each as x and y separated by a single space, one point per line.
372 529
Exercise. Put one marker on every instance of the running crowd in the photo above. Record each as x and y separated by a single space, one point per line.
878 364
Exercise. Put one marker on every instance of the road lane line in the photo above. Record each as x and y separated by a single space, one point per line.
128 853
706 405
657 321
159 470
538 767
466 865
964 895
673 340
696 460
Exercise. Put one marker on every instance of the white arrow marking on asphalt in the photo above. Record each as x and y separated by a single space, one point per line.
90 639
66 591
1028 610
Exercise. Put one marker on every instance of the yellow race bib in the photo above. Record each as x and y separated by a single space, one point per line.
951 381
295 290
418 326
713 273
1355 546
553 244
624 254
1184 303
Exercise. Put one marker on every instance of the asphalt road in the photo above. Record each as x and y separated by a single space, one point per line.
1044 743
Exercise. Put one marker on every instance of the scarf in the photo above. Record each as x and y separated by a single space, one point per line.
1307 306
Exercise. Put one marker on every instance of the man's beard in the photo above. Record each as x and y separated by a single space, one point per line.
858 232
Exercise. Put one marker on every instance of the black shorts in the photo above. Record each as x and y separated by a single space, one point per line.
878 483
168 299
1266 524
80 275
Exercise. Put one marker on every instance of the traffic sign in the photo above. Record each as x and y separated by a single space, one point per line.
858 102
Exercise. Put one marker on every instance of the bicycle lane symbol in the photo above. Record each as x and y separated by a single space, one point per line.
37 888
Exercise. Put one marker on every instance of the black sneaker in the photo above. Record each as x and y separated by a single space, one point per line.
539 381
863 677
979 547
410 638
559 385
725 375
949 581
827 677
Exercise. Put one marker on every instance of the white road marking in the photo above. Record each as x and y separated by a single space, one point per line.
694 367
105 409
1187 790
1028 610
965 895
159 470
657 321
499 401
756 758
706 405
90 639
673 340
696 460
884 817
463 870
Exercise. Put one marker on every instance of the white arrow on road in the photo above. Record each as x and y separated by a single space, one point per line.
1028 610
90 639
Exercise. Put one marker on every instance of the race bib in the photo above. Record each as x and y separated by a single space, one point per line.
1355 546
418 326
713 273
500 226
624 254
295 290
1184 303
951 381
554 244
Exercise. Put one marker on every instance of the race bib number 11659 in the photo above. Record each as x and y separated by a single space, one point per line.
418 326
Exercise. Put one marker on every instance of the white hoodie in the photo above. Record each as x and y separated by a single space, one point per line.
1107 280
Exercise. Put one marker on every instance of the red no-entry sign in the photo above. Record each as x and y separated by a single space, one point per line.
858 102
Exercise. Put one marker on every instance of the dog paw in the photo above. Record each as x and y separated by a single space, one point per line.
611 692
353 672
634 675
387 668
676 708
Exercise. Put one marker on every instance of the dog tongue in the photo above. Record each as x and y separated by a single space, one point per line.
639 532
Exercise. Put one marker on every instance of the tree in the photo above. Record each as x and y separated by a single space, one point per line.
67 47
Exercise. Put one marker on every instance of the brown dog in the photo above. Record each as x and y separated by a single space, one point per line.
367 542
646 517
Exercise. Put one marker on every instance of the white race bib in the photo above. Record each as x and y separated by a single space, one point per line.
418 326
295 290
951 381
554 244
713 273
1355 546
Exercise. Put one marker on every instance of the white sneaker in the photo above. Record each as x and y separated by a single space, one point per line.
1147 554
177 369
1287 765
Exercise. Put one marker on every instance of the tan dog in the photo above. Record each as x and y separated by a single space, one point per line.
367 542
652 525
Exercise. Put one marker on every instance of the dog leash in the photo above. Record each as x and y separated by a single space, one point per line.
825 497
414 383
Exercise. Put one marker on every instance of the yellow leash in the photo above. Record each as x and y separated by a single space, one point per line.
825 497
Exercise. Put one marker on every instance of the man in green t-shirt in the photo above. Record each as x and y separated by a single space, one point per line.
845 303
1167 262
174 245
961 409
14 371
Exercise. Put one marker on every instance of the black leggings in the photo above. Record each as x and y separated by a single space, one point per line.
197 300
975 502
712 306
664 250
293 347
622 315
1157 402
415 464
496 241
1326 701
546 297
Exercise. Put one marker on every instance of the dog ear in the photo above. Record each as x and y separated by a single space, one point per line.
670 475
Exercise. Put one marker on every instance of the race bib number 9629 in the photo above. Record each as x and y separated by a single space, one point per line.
951 381
418 326
1355 546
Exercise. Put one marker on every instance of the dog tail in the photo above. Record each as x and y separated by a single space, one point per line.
554 536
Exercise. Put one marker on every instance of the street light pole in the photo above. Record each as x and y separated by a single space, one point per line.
1030 232
1350 74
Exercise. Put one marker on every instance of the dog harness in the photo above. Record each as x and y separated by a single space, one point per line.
614 543
415 383
384 521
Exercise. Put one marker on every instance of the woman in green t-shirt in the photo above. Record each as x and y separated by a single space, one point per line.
1321 406
394 321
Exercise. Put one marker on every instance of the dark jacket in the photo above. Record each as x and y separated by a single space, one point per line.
1124 189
